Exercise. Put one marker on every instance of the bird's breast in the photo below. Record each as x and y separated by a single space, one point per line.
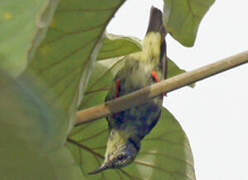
141 119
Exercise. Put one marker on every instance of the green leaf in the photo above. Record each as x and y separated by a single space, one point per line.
23 26
182 18
32 135
115 46
64 60
165 153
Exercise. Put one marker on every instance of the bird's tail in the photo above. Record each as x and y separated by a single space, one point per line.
156 25
156 22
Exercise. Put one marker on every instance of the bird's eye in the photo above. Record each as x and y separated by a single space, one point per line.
121 157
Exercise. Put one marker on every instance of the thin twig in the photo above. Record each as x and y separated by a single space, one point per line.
143 95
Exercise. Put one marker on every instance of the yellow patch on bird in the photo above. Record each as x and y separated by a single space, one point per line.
7 16
115 141
53 24
152 44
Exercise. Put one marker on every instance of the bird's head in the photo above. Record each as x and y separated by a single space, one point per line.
120 152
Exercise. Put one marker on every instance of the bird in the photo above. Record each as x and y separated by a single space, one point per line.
141 69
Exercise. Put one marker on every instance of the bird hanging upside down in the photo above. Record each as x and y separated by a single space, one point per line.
129 127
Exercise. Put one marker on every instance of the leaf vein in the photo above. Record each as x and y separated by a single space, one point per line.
66 57
168 156
83 30
93 136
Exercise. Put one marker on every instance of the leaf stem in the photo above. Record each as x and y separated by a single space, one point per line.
85 148
145 94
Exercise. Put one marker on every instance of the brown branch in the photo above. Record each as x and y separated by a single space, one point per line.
143 95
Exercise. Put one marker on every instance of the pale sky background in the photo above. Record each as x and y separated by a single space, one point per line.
214 114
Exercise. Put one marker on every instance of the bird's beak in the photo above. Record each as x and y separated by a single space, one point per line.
101 168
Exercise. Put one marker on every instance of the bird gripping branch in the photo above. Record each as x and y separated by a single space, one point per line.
141 69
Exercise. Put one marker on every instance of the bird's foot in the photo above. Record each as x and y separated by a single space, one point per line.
156 78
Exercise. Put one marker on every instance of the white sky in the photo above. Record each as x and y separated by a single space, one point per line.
214 113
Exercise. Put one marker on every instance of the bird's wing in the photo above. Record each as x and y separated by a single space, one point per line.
122 76
164 60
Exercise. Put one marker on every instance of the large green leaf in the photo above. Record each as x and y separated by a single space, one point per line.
115 46
23 26
165 153
32 135
64 60
182 18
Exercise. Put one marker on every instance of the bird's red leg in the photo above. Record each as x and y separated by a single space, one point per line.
117 88
156 78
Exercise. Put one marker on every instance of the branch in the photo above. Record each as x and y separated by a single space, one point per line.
144 95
